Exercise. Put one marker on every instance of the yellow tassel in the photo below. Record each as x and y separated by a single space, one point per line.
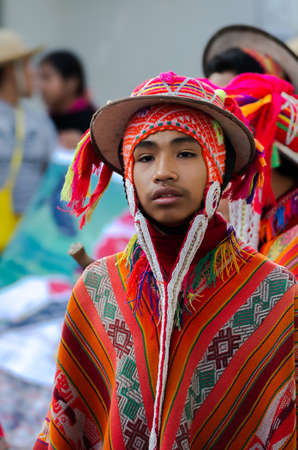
259 146
66 190
220 255
226 251
221 262
253 107
128 250
90 211
192 296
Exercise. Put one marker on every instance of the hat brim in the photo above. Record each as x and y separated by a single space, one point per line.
109 123
21 55
251 37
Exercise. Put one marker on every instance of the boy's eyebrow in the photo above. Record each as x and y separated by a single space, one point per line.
146 143
178 140
184 140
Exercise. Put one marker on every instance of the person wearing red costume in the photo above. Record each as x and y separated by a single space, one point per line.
270 106
173 342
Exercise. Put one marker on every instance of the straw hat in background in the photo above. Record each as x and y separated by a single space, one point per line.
13 48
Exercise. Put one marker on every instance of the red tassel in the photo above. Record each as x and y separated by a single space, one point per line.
132 285
78 178
104 179
82 169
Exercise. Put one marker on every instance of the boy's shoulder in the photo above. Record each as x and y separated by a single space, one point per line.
98 267
97 276
271 270
103 285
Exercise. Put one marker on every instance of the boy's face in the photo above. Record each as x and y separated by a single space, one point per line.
170 176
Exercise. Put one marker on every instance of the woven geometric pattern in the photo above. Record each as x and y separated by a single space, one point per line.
230 338
172 84
230 382
131 407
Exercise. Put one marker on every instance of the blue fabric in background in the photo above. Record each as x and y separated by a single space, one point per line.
45 234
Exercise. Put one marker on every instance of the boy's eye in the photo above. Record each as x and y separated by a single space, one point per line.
145 158
186 154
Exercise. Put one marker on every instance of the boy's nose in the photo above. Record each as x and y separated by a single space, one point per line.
164 170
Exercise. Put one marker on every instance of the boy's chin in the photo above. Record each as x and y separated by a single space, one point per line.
174 224
170 223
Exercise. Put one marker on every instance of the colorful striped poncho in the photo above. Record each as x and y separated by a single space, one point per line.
230 382
279 232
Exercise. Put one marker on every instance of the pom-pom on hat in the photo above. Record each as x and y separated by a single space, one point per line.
109 123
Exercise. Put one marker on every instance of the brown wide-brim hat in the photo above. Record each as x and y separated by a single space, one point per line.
12 47
109 123
246 36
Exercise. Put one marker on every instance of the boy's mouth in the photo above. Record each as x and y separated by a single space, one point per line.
166 196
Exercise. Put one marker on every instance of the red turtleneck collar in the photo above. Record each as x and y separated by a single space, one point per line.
167 246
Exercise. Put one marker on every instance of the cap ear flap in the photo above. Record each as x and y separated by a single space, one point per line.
76 188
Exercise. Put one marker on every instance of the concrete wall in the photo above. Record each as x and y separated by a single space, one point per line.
124 42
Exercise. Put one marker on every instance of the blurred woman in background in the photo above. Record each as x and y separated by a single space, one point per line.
63 89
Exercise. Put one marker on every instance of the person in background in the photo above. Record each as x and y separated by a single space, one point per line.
258 83
63 89
271 109
27 136
237 49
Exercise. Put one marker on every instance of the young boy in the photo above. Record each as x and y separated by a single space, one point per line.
185 339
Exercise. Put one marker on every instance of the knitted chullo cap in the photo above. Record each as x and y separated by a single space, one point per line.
187 120
267 49
167 101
